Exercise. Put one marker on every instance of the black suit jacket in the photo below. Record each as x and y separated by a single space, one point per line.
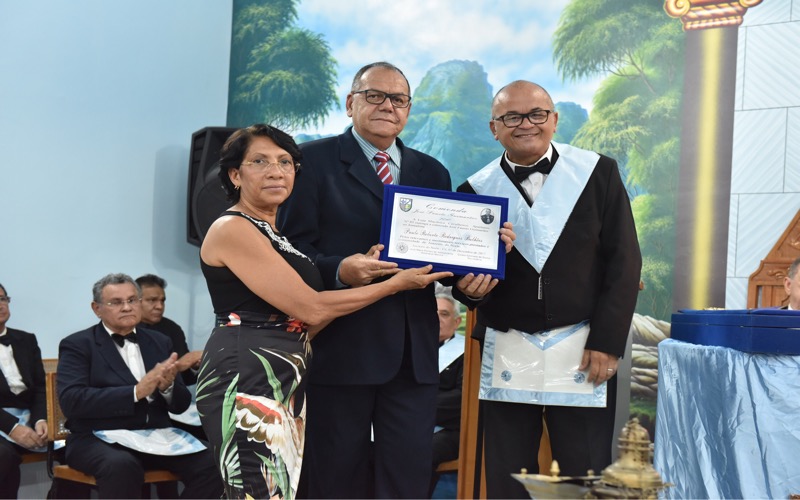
95 386
592 273
29 363
335 211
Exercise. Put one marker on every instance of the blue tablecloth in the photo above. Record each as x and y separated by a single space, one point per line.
728 422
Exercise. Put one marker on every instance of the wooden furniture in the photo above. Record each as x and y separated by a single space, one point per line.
765 286
56 431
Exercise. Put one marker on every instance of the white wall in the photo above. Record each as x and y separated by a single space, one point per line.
98 101
765 181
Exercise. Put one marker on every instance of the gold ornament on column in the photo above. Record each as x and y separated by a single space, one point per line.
704 14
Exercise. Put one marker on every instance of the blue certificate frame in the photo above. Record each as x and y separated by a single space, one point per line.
455 232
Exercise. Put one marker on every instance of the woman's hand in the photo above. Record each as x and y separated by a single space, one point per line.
417 277
362 268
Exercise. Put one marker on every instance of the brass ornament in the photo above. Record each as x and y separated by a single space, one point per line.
705 14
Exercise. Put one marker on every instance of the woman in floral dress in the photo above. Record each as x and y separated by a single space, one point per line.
267 298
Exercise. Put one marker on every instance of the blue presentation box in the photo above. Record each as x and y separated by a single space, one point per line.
775 331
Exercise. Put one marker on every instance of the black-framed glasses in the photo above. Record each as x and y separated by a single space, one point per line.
536 117
119 304
4 299
377 97
284 165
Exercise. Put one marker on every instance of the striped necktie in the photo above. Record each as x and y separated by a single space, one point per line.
383 167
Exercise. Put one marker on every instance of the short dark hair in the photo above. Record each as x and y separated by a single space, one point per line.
793 268
4 289
380 64
112 279
234 149
151 280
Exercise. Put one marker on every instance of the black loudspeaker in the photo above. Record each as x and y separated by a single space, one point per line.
206 199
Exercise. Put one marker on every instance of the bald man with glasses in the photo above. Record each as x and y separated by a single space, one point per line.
575 265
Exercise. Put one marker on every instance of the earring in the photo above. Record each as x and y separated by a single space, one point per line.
236 187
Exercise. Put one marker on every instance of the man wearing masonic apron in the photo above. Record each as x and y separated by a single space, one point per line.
554 330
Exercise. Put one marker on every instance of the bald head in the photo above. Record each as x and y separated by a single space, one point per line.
521 85
525 142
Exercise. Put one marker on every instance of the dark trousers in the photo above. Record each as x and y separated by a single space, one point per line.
10 459
581 439
119 471
337 457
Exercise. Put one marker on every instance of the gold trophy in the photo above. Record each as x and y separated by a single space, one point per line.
631 476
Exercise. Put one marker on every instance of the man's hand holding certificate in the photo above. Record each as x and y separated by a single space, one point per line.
453 231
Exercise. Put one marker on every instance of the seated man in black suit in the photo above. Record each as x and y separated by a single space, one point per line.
23 404
451 374
792 285
116 385
154 301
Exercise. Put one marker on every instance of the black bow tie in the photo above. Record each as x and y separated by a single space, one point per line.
5 340
120 339
543 167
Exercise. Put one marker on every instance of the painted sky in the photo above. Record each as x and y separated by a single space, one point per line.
510 39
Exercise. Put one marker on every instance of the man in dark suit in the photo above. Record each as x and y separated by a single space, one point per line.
154 300
115 376
792 285
451 376
22 389
447 433
576 258
375 368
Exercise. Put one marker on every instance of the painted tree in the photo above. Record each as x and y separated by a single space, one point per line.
280 74
635 116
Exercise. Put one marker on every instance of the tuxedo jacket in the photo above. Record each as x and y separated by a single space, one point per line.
29 363
95 386
334 212
592 273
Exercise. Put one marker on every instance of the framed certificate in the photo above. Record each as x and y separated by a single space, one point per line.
455 232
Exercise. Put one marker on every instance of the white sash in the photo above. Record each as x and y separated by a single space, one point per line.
190 417
538 368
169 441
450 351
539 227
24 417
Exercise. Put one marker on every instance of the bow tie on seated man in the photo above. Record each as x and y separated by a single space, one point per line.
120 339
115 392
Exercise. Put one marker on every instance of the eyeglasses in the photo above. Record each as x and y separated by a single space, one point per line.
377 97
119 304
4 299
536 117
262 165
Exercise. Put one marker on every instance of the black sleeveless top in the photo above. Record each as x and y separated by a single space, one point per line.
229 294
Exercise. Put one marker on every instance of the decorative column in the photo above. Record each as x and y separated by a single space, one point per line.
706 149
